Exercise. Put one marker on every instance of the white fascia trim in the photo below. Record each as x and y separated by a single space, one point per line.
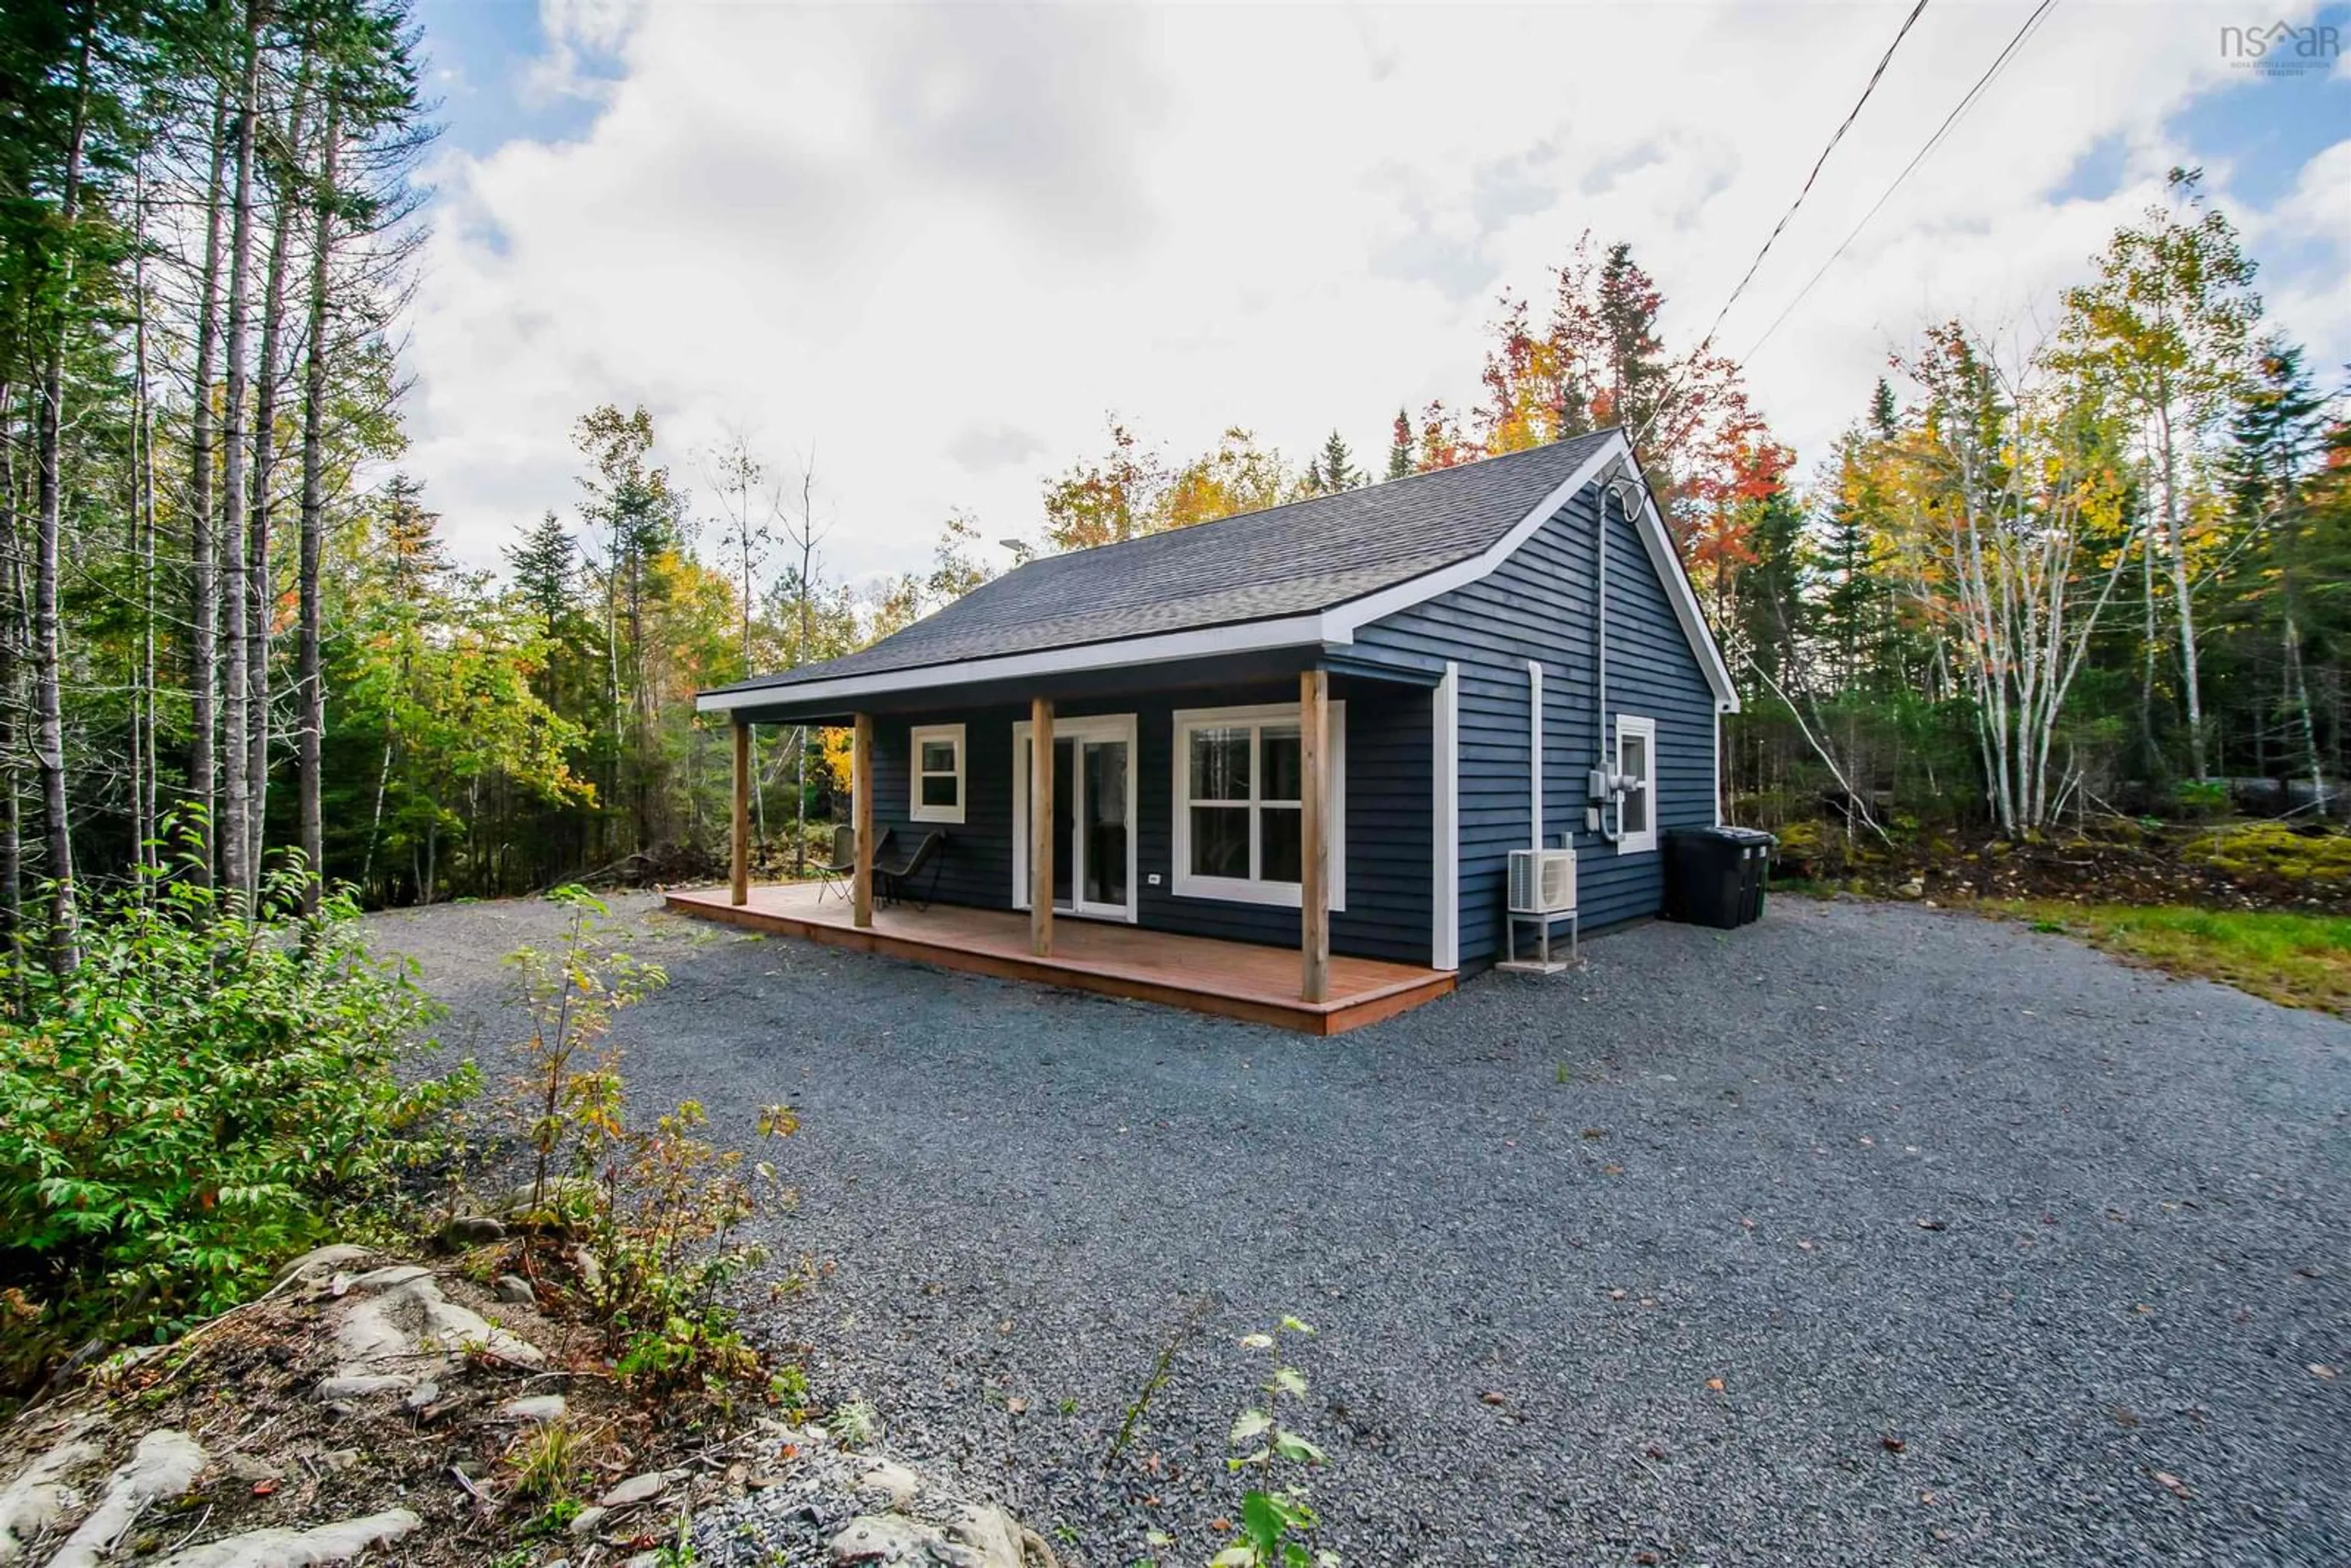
1289 632
1683 597
1343 620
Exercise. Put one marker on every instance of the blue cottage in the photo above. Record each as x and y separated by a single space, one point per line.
1322 728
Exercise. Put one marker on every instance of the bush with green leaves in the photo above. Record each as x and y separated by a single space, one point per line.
206 1093
1277 1524
658 1208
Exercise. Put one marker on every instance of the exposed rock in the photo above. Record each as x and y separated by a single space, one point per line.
337 1543
561 1194
591 1273
884 1538
636 1489
400 1331
514 1288
323 1262
252 1467
893 1479
587 1519
539 1408
363 1384
989 1531
163 1467
422 1394
40 1497
473 1230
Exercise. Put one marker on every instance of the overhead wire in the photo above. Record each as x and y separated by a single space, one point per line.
1818 164
1983 82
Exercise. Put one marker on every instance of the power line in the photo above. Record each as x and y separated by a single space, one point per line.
1982 82
1835 137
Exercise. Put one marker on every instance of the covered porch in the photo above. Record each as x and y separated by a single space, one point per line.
1177 831
1232 980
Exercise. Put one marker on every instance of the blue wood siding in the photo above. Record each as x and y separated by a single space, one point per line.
1388 843
1539 606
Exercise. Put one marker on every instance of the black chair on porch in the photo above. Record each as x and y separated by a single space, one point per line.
895 883
837 876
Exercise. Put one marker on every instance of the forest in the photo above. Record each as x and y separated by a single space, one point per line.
2102 571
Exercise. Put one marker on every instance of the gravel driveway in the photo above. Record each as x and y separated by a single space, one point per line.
1871 1234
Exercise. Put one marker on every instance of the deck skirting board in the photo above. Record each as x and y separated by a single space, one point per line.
980 954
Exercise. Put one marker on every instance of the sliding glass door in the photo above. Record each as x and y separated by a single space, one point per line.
1093 816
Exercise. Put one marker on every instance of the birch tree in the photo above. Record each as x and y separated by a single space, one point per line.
2167 330
2015 524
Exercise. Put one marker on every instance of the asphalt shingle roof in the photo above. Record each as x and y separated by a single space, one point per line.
1294 559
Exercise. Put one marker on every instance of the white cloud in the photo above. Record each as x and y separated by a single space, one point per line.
935 244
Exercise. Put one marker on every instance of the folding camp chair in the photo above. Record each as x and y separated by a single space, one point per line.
838 876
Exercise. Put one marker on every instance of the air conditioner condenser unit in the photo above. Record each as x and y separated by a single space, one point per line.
1542 882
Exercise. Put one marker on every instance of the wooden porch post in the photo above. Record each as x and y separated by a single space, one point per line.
1040 827
1314 875
739 830
861 895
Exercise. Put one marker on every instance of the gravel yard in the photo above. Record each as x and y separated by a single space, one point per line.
1870 1234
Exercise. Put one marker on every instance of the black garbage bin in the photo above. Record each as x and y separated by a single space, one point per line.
1715 876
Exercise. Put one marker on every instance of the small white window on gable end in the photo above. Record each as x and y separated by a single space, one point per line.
934 767
1636 762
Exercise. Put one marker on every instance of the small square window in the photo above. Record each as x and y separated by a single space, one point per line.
936 753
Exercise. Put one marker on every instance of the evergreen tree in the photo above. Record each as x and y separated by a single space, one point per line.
545 562
1883 416
1400 448
1338 466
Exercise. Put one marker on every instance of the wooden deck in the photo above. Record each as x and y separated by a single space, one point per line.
1233 979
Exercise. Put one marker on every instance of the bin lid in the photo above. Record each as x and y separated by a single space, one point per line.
1746 838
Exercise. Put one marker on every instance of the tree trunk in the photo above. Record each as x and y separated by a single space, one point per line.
203 652
12 642
143 729
2175 545
312 695
259 576
49 641
237 860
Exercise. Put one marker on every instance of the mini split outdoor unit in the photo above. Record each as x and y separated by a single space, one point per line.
1542 882
1542 889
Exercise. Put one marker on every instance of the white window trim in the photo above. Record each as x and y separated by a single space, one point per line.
917 738
1091 727
1241 890
1645 842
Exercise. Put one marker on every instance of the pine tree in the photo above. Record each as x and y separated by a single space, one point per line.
544 562
1883 416
1338 467
1400 446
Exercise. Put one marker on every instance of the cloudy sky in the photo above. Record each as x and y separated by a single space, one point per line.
932 246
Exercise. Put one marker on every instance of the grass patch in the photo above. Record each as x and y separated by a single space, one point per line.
2296 960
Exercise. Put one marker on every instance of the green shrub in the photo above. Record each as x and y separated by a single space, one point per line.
658 1209
200 1097
2200 797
